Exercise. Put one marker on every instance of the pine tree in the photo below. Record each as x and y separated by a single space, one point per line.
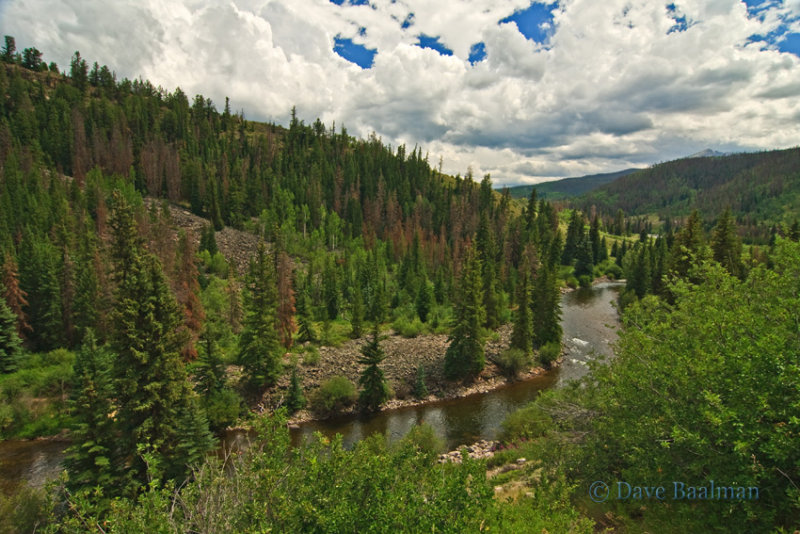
188 295
286 300
584 265
374 389
688 246
465 355
14 295
594 239
210 371
208 240
155 403
90 459
296 400
522 335
546 308
420 389
10 344
305 327
357 311
259 345
330 288
725 244
424 301
575 235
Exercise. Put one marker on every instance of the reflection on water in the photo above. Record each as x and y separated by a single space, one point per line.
589 319
33 462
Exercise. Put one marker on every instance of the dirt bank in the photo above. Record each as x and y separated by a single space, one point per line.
403 356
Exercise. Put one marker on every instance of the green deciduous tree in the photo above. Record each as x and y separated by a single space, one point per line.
679 400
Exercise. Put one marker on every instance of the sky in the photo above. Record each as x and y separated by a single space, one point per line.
527 92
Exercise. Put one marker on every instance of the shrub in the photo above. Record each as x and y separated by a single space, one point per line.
526 423
513 362
333 395
311 356
549 352
222 408
585 280
408 328
424 439
572 282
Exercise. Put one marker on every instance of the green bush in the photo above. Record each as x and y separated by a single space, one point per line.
333 395
585 280
311 356
572 282
549 352
408 328
526 423
424 439
222 407
513 362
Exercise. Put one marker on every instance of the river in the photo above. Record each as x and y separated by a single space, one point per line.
589 320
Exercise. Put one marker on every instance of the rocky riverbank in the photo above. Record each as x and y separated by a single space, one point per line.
403 356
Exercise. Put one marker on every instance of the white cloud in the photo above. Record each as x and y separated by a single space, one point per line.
614 87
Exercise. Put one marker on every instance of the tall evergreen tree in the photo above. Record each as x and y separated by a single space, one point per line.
725 244
357 311
374 389
584 265
305 327
575 235
90 459
259 345
465 354
546 308
10 344
522 335
155 403
688 246
14 295
424 300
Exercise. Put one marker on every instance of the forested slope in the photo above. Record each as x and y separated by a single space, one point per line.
761 189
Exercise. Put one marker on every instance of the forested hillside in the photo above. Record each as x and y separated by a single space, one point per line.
140 338
568 187
761 189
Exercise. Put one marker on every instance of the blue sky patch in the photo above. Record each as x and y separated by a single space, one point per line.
354 53
756 8
790 43
534 22
477 52
681 22
408 21
433 43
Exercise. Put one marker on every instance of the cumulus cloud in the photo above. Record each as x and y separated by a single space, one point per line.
616 84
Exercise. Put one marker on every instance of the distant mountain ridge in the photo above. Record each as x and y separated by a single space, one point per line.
708 153
761 188
568 187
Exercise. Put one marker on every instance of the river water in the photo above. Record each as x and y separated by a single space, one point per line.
589 320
